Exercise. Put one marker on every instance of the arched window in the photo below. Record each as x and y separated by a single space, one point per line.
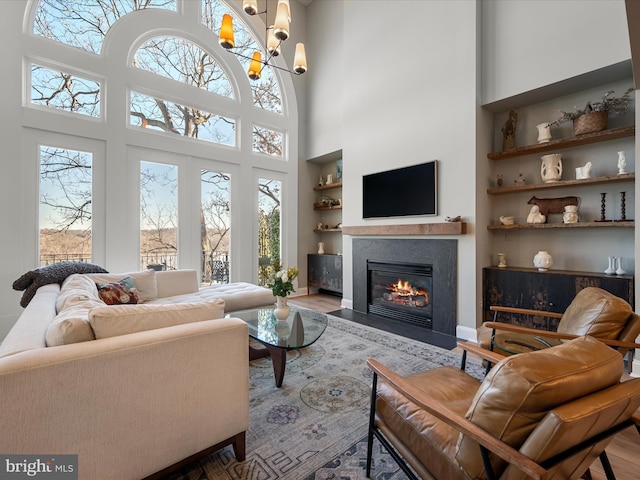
184 62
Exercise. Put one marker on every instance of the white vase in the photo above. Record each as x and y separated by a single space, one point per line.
622 163
282 309
320 248
544 132
570 214
542 260
611 269
551 168
619 270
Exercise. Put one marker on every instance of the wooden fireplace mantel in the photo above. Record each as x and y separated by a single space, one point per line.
445 228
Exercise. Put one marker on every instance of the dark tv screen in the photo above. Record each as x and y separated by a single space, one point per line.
404 191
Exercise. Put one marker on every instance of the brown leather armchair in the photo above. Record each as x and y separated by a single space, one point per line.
541 415
593 312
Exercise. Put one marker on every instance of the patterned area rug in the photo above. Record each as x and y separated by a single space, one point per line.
315 426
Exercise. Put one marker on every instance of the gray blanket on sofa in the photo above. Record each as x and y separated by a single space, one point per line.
56 273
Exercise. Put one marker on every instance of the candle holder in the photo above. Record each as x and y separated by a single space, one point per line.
603 209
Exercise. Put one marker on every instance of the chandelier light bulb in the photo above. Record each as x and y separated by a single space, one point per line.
273 44
226 38
281 25
250 7
255 67
300 59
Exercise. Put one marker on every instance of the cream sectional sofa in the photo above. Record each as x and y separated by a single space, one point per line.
130 404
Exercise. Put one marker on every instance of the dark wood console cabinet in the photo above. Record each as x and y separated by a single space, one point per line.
550 291
325 272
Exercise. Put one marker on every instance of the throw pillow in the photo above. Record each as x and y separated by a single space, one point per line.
123 319
145 282
56 273
118 293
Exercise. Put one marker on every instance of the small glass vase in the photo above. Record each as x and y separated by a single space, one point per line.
282 309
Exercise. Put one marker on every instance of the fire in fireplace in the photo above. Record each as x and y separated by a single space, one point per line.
400 291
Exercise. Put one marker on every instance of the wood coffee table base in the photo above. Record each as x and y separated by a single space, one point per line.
278 358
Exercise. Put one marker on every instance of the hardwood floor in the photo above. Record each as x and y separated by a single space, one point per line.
623 452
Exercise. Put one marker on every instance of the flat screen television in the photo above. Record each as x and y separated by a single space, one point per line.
401 192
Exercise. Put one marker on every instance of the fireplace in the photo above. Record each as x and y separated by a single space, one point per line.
429 265
400 291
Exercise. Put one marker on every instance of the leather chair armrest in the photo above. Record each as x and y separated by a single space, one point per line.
524 311
507 327
483 353
460 423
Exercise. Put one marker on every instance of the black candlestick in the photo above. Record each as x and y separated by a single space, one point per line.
602 207
623 215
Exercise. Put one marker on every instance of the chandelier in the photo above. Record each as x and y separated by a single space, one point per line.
275 35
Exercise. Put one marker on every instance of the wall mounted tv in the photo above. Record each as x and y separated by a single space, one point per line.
401 192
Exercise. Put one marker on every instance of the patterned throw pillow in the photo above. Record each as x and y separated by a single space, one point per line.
118 293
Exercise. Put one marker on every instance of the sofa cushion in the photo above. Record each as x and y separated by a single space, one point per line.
237 296
78 295
118 293
519 391
145 282
595 312
114 320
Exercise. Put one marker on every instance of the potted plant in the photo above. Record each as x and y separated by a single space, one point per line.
594 116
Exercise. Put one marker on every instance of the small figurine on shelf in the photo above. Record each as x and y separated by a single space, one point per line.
319 226
520 180
535 216
320 181
500 179
509 132
622 163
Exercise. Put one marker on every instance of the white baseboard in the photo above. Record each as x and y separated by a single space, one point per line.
467 333
346 304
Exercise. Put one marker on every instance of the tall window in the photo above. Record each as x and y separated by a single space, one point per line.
169 99
269 238
158 216
65 205
215 235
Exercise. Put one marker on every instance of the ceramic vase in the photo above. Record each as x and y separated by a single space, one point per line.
611 269
544 132
570 214
502 260
320 248
619 270
282 309
622 163
551 168
542 260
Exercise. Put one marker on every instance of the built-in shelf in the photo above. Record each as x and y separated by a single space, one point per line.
625 177
585 139
328 187
322 230
542 226
445 228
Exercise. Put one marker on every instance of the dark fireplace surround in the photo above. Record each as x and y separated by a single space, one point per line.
440 254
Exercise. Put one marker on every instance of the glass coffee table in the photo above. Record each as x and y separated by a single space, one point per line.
301 329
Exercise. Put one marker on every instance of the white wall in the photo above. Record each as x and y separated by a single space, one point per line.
531 43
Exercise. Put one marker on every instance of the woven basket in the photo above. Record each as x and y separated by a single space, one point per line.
590 122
